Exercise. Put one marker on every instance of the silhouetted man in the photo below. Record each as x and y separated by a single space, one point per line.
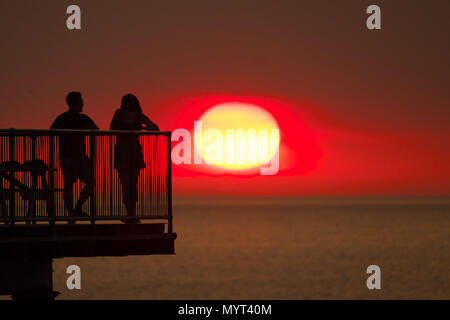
74 162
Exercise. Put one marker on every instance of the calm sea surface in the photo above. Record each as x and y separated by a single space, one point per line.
282 251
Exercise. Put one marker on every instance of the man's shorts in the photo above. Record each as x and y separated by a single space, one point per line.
77 168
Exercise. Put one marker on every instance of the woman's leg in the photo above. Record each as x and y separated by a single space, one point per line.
129 182
134 192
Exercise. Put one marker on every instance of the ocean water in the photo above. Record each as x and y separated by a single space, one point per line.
282 250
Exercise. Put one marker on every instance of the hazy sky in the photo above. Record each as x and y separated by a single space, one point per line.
378 101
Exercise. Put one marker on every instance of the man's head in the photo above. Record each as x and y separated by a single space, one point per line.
75 101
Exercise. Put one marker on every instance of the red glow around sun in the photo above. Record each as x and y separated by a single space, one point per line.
298 148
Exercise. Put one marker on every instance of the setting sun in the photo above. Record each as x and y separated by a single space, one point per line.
237 136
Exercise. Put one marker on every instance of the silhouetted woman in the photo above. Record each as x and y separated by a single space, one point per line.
128 157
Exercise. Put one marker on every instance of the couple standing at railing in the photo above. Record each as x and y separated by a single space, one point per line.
128 157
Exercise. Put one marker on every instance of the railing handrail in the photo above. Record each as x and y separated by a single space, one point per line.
47 132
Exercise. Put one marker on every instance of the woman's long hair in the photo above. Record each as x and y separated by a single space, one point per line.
131 103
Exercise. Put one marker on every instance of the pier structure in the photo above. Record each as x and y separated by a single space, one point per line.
35 225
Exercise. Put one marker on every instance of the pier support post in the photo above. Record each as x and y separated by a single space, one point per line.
27 278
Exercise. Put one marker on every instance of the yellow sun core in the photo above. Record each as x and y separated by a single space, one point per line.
237 136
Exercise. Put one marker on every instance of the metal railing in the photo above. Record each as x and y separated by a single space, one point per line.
32 181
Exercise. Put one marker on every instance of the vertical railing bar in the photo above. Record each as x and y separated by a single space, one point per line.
33 177
24 147
140 195
18 158
33 147
114 184
2 193
161 165
92 195
158 173
154 178
12 197
105 183
51 158
149 185
169 183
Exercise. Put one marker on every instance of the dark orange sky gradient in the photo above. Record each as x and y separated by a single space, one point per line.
360 112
